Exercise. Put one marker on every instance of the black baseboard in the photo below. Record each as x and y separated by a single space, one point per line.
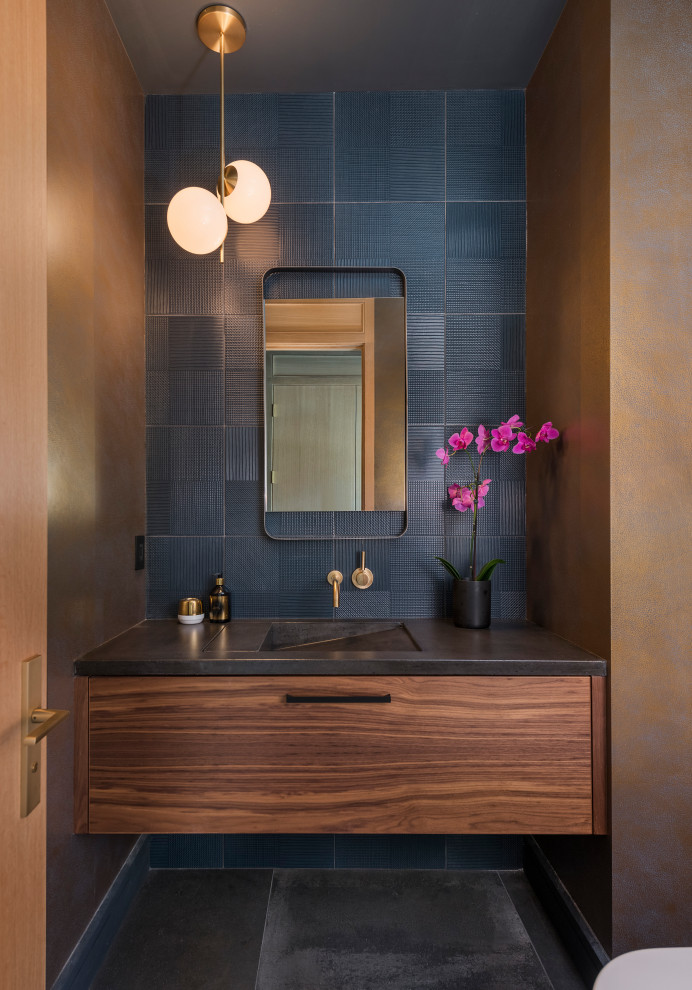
90 951
587 952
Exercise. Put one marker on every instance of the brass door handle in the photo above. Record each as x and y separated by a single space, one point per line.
46 719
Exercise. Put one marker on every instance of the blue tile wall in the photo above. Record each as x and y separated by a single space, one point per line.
356 852
431 182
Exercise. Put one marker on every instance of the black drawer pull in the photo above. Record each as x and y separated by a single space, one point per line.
342 699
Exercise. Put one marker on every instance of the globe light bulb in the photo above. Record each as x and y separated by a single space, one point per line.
196 220
252 194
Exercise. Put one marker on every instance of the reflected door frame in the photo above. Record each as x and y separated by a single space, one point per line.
339 325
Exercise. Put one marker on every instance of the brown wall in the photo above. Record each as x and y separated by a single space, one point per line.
95 406
608 298
23 438
567 372
651 302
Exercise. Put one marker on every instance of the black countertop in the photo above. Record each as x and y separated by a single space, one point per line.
164 647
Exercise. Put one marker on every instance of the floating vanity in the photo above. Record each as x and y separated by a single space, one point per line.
362 727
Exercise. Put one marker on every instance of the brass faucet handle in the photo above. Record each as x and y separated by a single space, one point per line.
362 577
335 578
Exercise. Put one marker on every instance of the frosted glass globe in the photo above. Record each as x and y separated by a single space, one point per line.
252 194
196 220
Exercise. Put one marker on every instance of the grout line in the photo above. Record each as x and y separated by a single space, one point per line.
521 922
264 929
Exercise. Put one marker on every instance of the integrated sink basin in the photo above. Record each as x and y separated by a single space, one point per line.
352 636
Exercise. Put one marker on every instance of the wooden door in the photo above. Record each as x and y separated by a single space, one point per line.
23 445
315 447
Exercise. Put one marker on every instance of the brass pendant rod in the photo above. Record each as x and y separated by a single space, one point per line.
222 141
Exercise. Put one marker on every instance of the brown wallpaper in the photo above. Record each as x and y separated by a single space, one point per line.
95 406
651 302
608 302
567 372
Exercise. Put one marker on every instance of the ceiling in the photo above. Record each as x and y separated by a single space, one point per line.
324 45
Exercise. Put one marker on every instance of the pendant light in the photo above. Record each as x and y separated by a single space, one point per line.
197 219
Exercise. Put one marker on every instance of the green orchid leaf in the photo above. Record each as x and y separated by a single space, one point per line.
450 568
486 571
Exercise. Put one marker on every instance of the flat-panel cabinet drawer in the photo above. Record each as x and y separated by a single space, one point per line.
335 754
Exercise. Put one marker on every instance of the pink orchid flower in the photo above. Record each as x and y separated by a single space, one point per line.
513 422
443 455
464 501
483 489
460 441
524 444
547 432
454 491
483 439
501 438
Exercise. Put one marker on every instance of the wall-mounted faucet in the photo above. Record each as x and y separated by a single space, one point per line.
362 577
335 578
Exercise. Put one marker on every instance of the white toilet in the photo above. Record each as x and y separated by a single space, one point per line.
648 969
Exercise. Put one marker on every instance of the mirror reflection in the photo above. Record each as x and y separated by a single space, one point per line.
335 400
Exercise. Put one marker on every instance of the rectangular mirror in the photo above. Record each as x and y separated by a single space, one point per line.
335 415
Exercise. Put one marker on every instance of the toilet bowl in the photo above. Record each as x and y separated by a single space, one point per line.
648 969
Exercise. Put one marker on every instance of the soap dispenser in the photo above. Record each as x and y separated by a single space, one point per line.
219 601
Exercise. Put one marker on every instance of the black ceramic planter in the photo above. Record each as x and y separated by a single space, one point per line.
471 604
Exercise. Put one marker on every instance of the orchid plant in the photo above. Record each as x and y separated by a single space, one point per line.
472 494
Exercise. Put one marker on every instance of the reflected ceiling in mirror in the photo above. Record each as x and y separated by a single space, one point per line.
335 403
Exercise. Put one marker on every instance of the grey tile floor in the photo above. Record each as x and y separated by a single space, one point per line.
336 930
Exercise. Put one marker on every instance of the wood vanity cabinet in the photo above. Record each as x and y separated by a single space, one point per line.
340 754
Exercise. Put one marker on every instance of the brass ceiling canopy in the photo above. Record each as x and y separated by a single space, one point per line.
219 21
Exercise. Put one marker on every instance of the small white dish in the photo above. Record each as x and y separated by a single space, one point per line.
190 620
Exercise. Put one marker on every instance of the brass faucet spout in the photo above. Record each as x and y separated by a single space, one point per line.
335 578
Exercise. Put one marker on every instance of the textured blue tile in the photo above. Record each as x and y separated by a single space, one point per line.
180 567
477 396
244 508
486 230
425 341
361 120
300 175
186 852
253 564
278 851
484 852
244 397
294 525
485 117
369 525
157 408
426 504
414 570
419 605
299 285
196 508
252 121
284 605
184 453
196 398
244 342
195 343
488 285
288 234
370 604
244 453
394 231
381 174
305 119
379 119
386 285
423 441
243 285
389 852
426 396
486 172
485 341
